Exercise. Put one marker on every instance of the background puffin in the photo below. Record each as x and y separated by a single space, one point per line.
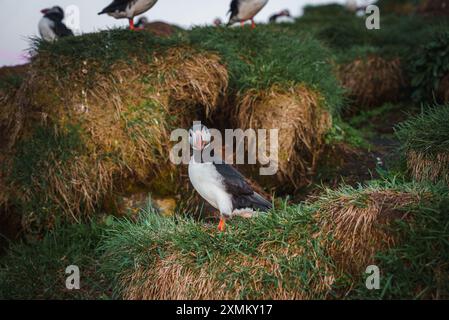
277 16
141 23
243 10
51 26
128 9
219 183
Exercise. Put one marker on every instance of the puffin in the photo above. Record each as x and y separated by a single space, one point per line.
282 14
141 23
243 10
51 26
220 184
121 9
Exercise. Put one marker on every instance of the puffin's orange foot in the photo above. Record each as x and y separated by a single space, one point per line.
253 24
221 225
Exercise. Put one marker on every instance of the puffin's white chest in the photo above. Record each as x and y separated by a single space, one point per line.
249 8
134 8
208 183
46 29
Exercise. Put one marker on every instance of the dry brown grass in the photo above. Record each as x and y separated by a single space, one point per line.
356 229
302 122
175 278
196 79
125 118
428 168
372 81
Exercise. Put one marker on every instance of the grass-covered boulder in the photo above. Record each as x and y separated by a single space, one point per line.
425 142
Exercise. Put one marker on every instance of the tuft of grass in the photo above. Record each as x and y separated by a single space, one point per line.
426 133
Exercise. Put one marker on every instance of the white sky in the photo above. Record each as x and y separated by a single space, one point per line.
19 18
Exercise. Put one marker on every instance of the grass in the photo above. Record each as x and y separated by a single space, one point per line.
418 268
282 254
426 133
36 270
294 251
233 259
255 59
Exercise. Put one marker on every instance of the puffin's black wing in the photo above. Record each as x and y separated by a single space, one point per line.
243 195
234 181
61 30
116 5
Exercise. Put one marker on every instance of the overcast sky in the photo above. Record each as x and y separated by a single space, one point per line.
19 18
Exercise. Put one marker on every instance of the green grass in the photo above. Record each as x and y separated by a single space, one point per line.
256 59
417 267
427 133
128 245
30 169
36 270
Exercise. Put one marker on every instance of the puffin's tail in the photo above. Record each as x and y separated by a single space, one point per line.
260 202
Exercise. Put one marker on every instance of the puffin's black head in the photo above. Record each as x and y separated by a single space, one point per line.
285 13
199 137
55 13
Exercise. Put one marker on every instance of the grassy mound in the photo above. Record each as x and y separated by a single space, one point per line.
373 81
97 126
425 141
303 123
294 252
96 111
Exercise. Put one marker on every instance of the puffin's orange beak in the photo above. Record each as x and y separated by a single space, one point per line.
44 11
221 225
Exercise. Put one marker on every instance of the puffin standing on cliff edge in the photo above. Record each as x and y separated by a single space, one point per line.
219 183
128 9
243 10
51 26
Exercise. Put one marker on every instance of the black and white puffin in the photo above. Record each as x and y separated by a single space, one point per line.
141 23
219 183
277 16
128 9
51 26
243 10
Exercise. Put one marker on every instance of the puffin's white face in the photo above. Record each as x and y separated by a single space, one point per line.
199 137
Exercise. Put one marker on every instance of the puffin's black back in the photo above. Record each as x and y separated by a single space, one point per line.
243 195
60 29
116 5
